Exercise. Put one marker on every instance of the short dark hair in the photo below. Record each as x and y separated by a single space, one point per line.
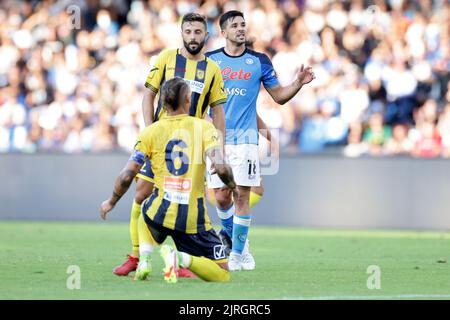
194 17
229 15
173 92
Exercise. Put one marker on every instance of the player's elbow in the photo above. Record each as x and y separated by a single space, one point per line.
125 181
147 101
126 177
146 98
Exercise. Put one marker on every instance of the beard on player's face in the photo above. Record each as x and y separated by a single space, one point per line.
238 41
236 37
196 46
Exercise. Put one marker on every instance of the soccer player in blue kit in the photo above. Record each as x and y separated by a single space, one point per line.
243 70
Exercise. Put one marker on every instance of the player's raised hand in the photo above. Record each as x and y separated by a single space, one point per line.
105 207
305 75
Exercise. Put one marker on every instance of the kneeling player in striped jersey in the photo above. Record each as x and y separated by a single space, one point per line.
207 92
177 146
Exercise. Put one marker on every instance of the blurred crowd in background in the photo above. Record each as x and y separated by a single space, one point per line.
72 83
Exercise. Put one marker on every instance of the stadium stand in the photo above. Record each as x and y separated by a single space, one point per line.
381 69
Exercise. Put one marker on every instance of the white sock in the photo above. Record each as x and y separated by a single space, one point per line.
235 254
185 261
145 249
246 247
226 214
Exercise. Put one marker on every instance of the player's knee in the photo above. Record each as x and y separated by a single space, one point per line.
241 199
223 198
223 203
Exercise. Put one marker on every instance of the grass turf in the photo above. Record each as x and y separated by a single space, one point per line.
291 264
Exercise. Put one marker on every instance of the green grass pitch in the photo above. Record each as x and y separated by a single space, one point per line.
292 263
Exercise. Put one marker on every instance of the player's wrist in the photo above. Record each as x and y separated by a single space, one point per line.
298 83
114 199
231 185
112 203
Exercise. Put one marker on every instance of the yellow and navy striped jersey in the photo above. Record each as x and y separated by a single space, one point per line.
176 146
204 78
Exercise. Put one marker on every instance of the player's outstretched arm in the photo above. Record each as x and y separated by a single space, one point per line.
121 185
281 95
148 106
222 169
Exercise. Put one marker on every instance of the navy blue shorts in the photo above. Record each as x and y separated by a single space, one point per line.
203 244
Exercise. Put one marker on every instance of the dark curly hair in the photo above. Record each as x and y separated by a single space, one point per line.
173 93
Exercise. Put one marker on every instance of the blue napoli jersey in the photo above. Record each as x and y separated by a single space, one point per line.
242 76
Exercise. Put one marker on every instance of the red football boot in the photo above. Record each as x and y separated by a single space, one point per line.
127 267
185 273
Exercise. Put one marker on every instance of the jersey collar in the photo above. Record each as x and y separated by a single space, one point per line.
225 53
177 116
179 52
